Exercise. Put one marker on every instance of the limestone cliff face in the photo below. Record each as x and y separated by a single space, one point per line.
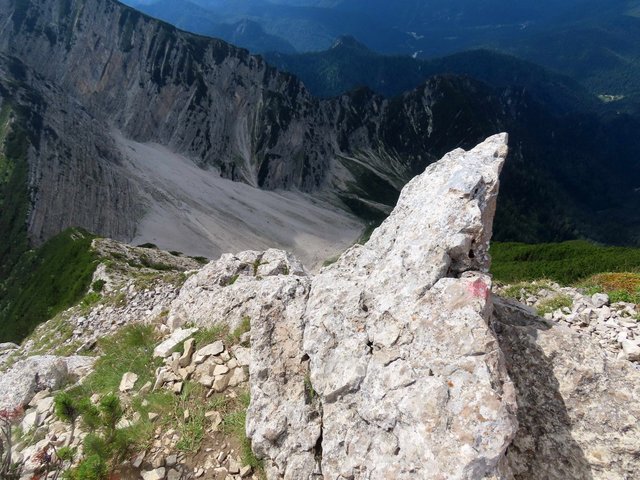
75 173
200 96
208 99
219 106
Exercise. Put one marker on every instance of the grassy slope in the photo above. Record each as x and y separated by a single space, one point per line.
566 263
45 282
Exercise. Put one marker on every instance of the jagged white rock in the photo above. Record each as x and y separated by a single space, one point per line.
176 338
128 381
19 384
409 380
410 376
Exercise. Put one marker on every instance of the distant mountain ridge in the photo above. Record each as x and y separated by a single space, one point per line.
349 64
194 18
596 43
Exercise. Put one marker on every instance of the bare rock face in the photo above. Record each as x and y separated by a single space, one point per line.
410 377
578 408
284 419
238 287
23 380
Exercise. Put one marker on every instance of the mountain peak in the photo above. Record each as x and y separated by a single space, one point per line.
350 42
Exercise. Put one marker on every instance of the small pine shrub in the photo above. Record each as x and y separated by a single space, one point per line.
105 445
98 285
92 467
200 260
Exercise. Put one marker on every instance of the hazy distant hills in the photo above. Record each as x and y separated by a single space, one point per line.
593 41
197 19
348 64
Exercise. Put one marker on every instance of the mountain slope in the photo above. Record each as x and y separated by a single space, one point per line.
602 54
105 71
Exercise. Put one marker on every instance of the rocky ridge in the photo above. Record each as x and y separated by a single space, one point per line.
396 360
131 285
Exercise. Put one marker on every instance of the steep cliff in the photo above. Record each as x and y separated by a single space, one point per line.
217 105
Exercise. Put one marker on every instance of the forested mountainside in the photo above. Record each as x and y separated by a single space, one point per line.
349 64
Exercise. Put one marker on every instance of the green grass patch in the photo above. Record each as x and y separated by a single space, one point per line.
204 337
68 349
566 263
244 327
50 335
45 282
621 287
193 429
147 262
521 290
234 423
555 303
129 350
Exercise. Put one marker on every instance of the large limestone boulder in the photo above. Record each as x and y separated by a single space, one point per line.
284 419
410 376
236 287
578 409
392 370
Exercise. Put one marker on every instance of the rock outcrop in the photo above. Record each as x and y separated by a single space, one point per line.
239 288
394 362
384 363
411 381
27 377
